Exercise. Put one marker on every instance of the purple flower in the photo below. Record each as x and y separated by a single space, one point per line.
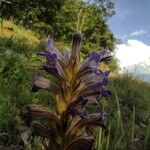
51 57
105 81
94 119
105 93
49 43
53 64
97 71
78 85
94 57
44 84
76 107
75 112
100 56
94 81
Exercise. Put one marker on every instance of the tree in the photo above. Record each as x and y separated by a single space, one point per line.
90 19
31 13
61 18
106 6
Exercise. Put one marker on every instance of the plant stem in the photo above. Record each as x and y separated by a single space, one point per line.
99 139
133 124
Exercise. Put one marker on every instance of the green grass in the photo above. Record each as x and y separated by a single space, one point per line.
18 63
129 120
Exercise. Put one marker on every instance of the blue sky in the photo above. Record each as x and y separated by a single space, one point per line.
131 24
132 20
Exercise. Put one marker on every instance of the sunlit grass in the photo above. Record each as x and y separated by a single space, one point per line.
9 29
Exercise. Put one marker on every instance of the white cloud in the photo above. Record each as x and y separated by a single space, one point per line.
138 32
134 57
132 53
141 70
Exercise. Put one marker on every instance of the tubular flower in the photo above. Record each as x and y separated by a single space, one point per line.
79 85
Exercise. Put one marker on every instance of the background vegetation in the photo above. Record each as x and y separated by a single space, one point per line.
30 22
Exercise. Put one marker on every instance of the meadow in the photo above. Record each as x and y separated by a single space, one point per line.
128 123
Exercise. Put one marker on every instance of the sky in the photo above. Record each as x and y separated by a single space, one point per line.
131 24
132 20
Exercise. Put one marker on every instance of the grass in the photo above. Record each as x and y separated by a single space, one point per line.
18 63
129 120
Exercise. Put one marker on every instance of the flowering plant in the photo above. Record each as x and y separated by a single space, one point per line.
79 85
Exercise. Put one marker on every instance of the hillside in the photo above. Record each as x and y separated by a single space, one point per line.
129 114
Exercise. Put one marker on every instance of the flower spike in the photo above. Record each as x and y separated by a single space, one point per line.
76 42
78 85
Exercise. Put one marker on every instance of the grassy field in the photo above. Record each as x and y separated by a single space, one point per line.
129 120
128 124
